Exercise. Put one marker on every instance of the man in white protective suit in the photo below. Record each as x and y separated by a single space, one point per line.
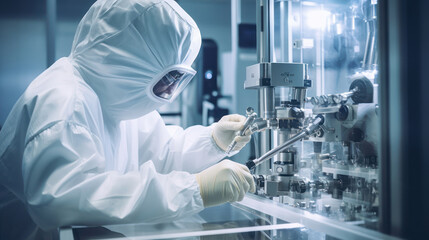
84 144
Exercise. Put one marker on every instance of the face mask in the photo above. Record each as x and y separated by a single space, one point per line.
171 83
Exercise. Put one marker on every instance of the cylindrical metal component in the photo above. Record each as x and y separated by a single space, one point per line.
324 100
306 76
317 146
283 169
265 142
283 135
264 52
280 148
312 205
265 30
305 132
267 102
283 182
370 17
299 94
287 156
315 101
258 125
299 186
327 208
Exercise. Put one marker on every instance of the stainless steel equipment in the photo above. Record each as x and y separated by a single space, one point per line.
325 159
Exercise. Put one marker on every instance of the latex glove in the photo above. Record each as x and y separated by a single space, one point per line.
225 131
226 181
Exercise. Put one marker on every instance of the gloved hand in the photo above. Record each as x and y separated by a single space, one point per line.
225 131
226 181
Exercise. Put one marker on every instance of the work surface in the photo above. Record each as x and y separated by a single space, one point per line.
222 222
253 218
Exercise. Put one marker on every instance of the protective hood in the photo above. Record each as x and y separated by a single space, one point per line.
122 46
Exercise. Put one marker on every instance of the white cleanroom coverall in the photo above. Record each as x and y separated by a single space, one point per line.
83 144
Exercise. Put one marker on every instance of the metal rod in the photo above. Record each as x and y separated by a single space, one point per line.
265 40
265 30
280 148
370 17
265 137
310 129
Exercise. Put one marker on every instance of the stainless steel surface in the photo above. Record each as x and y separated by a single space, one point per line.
268 102
264 13
333 99
299 94
338 166
280 148
277 74
264 17
370 17
305 132
265 140
282 136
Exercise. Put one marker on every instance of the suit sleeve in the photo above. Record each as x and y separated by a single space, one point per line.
65 183
174 148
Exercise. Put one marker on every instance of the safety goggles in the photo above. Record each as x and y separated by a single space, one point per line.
172 82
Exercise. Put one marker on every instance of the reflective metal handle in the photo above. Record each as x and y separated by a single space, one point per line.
251 116
310 129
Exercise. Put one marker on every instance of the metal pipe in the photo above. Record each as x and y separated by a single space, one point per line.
264 51
268 102
283 136
280 148
265 144
299 94
264 27
371 51
310 129
373 58
365 61
370 55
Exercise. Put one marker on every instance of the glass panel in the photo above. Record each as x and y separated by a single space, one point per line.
221 222
338 41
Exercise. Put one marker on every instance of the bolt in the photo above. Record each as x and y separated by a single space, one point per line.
336 98
324 99
327 208
312 205
314 101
